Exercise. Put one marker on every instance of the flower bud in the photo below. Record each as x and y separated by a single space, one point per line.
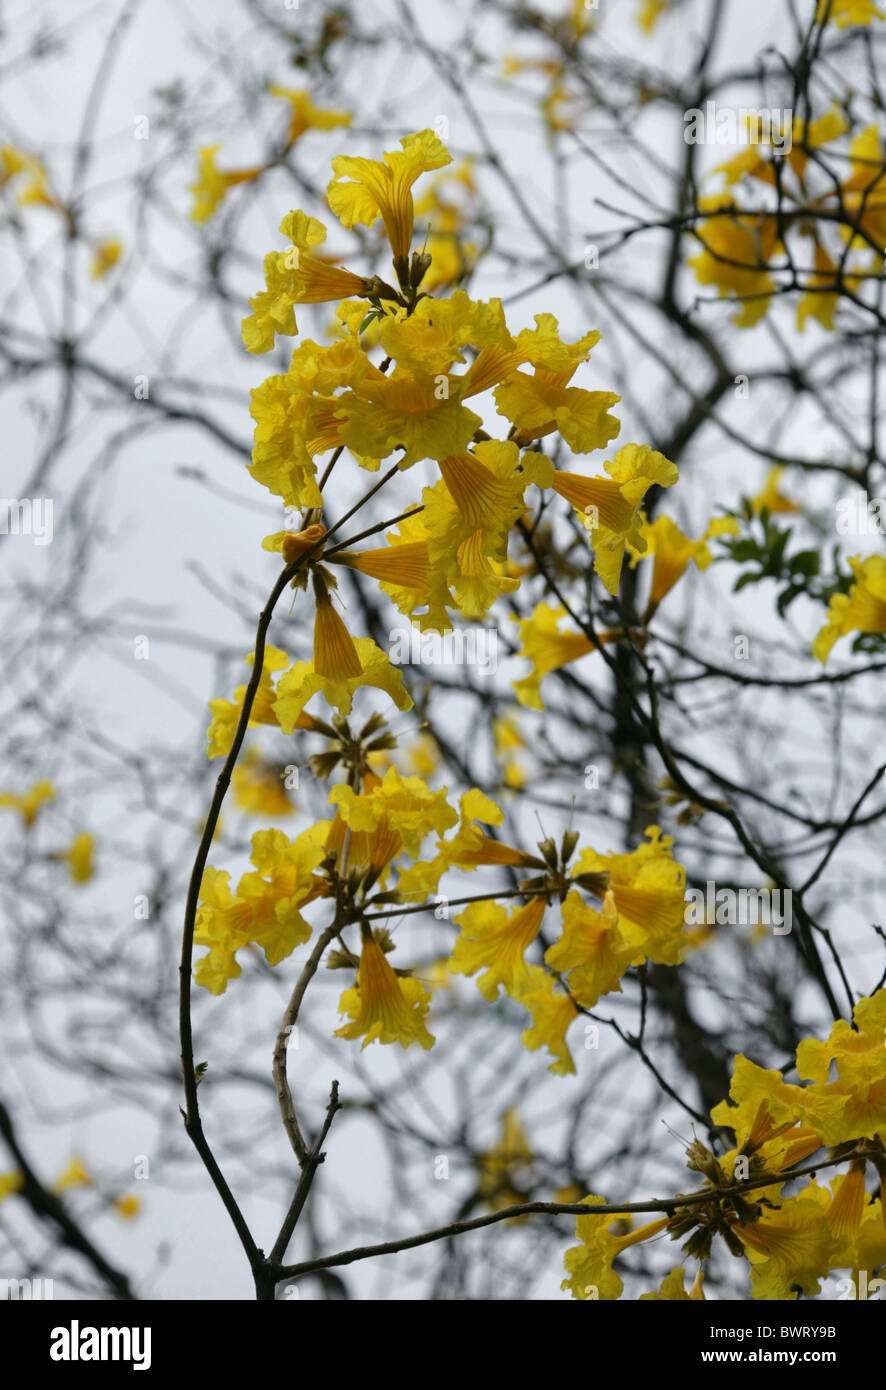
548 852
421 263
567 845
295 543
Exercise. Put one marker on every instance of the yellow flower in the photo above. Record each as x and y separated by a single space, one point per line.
673 551
258 786
418 881
127 1207
13 162
79 857
844 12
451 257
779 1145
790 1246
10 1183
37 191
335 655
365 189
858 1052
496 942
433 337
609 508
752 162
212 183
292 545
511 65
671 1289
814 134
335 396
863 609
219 927
507 733
295 276
106 253
471 847
854 1105
272 313
648 15
506 1169
436 974
226 714
371 850
74 1174
764 1104
423 755
822 292
580 20
548 649
265 910
552 1012
419 406
29 803
313 279
509 743
468 518
555 108
432 206
589 1264
864 192
736 251
651 911
647 891
866 159
851 1107
468 848
402 568
848 1202
379 761
544 402
348 321
384 1006
755 161
570 1193
403 412
295 418
307 116
591 952
344 667
771 496
867 1250
404 804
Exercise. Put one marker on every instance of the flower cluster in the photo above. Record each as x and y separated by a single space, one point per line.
863 609
790 1243
445 557
79 856
211 185
30 179
827 232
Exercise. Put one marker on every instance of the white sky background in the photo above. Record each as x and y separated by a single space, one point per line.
159 525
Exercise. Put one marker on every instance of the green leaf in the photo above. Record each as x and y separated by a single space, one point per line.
805 562
744 580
